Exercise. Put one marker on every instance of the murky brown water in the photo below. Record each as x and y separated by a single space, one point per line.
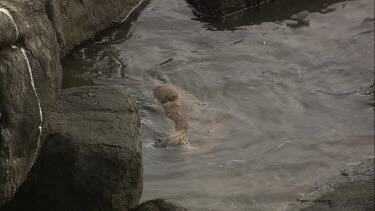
280 104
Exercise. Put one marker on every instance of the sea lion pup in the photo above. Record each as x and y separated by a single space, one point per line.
158 205
169 97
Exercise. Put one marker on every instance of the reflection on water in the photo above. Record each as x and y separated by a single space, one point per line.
273 108
275 11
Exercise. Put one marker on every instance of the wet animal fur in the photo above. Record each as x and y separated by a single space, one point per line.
169 97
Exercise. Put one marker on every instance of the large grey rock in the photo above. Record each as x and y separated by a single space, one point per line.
31 33
8 29
30 77
78 20
92 159
353 189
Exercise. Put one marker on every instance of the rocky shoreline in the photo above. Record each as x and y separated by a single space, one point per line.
34 36
352 189
92 157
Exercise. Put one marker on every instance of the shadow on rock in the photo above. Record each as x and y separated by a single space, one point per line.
92 159
221 15
158 205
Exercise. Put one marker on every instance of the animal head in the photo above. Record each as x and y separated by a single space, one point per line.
160 142
177 138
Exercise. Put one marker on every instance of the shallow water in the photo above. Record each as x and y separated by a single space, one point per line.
280 106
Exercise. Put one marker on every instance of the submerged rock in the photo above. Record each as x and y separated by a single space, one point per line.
353 189
218 8
92 159
158 205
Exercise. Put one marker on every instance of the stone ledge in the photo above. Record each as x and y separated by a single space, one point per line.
92 159
353 189
33 35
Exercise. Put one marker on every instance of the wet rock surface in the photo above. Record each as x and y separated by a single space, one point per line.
218 8
158 205
225 16
76 21
353 189
9 33
33 35
92 159
30 77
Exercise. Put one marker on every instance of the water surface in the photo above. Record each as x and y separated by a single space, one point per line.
281 102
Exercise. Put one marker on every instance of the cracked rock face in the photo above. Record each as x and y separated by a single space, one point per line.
92 159
33 35
30 75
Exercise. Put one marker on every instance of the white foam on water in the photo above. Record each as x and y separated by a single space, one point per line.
282 144
6 12
356 163
232 161
149 145
188 146
39 105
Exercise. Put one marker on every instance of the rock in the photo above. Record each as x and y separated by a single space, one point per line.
353 189
30 77
368 91
76 20
33 35
300 16
158 205
8 29
92 159
218 8
298 20
291 22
